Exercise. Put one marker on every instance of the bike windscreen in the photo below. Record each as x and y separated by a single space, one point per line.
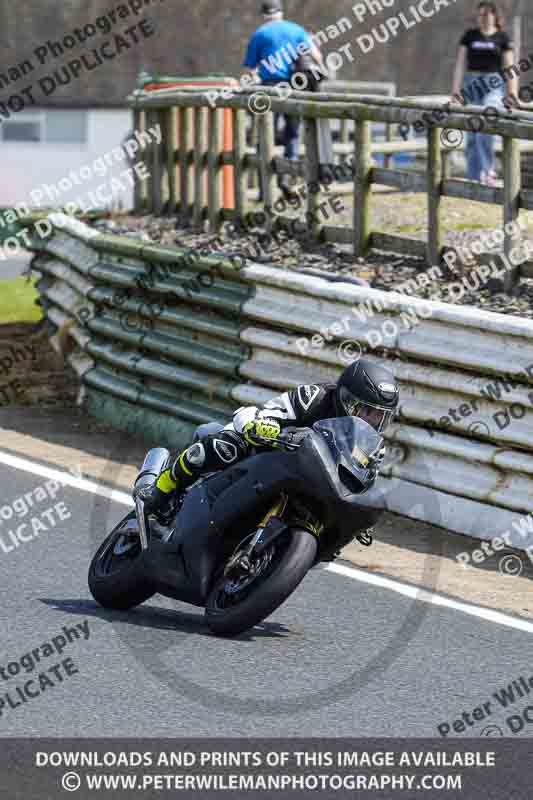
350 437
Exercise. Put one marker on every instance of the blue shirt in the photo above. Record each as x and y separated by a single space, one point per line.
273 47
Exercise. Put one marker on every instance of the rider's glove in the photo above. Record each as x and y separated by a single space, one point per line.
261 432
377 460
380 455
292 438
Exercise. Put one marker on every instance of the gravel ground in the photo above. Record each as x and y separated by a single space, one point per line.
31 372
402 214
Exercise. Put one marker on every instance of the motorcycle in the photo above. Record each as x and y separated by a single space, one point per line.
240 541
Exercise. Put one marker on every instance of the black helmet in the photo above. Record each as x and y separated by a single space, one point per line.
368 391
268 9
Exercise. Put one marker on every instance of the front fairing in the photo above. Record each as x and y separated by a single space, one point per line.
340 452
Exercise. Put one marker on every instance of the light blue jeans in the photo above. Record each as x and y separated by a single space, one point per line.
480 146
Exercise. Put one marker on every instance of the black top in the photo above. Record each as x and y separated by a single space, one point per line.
485 52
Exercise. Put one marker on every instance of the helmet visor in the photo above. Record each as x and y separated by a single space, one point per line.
376 416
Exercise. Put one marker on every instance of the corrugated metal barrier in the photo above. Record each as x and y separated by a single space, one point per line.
163 342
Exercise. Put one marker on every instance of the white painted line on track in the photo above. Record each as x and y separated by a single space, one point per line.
65 478
415 592
418 593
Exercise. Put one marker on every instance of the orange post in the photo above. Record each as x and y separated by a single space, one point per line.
229 188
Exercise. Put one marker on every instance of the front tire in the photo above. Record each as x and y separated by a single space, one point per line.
228 614
116 575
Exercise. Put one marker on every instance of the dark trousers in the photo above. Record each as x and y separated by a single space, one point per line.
291 129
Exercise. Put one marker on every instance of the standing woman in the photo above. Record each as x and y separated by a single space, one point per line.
483 53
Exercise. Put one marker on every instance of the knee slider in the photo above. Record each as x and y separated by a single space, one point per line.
192 459
228 448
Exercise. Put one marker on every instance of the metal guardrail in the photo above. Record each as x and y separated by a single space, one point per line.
241 342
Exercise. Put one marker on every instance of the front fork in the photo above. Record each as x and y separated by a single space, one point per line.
271 526
142 522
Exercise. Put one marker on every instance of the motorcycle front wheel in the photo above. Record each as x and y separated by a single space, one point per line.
237 603
116 575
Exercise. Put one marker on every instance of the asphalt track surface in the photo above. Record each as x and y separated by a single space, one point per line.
342 657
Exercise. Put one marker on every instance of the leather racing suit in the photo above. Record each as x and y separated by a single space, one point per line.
253 427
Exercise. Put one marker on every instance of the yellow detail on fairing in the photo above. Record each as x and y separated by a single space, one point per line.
166 483
360 456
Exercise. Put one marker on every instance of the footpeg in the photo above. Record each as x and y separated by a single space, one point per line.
244 564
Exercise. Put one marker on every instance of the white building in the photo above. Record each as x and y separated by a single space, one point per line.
41 147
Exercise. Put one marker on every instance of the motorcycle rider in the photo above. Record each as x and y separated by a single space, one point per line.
364 390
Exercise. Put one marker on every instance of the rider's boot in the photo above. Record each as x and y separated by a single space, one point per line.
159 497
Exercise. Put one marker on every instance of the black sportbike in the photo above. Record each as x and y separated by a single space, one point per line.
240 541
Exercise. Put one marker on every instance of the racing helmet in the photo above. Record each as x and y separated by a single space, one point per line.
369 392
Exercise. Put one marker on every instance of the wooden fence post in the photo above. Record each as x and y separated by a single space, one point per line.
186 176
266 154
157 165
446 164
199 165
344 138
240 171
170 139
312 164
253 178
434 188
512 183
214 152
139 189
362 189
147 156
387 158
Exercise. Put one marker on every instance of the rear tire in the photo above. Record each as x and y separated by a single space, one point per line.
119 581
291 560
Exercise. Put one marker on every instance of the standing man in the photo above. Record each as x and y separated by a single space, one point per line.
272 53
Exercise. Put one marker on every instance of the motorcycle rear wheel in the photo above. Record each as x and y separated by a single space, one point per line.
116 575
230 610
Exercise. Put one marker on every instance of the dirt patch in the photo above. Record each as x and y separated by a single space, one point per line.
31 372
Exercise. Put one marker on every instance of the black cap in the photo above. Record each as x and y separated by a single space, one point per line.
271 8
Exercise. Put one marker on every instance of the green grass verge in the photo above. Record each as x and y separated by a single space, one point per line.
17 301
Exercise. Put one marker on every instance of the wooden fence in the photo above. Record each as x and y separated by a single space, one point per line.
193 165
